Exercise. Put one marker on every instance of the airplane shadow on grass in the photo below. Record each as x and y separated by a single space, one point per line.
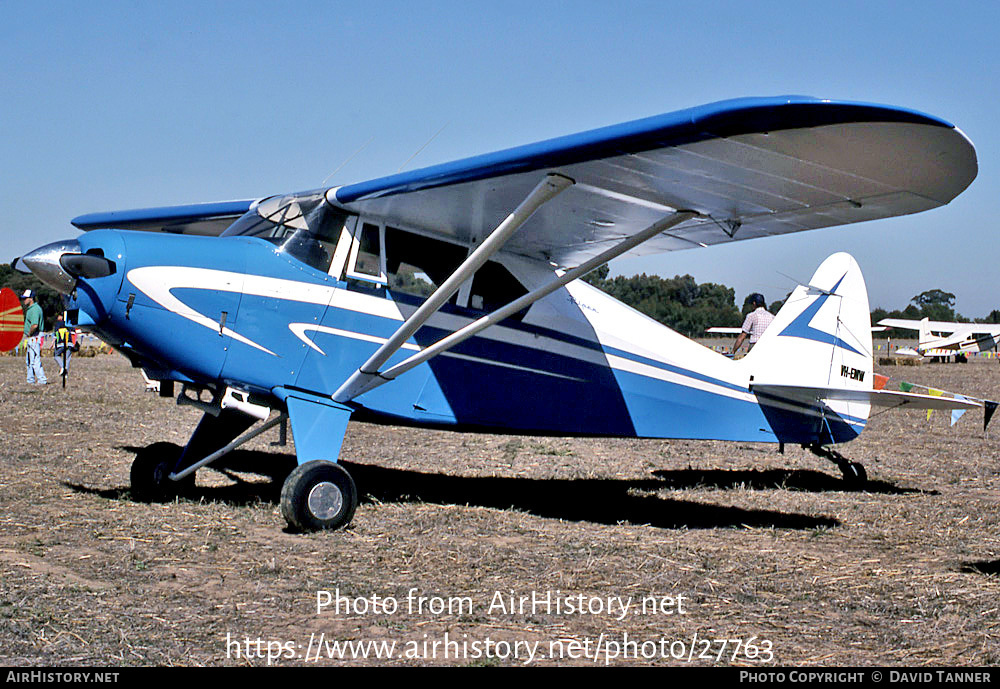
602 501
984 567
781 479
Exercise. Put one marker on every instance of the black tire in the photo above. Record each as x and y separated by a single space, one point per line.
150 471
318 495
854 473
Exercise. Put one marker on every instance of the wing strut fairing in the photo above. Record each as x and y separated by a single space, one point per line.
545 190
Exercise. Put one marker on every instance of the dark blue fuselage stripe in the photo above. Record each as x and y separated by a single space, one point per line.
600 349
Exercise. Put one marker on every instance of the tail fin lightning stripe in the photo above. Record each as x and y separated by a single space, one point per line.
800 326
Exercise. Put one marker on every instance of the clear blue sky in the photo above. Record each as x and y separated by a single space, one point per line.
112 105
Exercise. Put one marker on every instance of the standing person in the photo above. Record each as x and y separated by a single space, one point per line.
755 323
61 347
34 321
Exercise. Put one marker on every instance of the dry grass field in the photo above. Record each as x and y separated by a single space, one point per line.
741 555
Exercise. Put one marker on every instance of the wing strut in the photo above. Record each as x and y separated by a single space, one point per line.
445 343
360 380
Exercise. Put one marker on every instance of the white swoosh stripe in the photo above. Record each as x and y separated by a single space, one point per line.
156 282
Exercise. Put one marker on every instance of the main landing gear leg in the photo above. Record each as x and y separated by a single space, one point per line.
153 466
854 472
319 494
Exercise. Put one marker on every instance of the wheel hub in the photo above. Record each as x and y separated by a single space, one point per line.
325 500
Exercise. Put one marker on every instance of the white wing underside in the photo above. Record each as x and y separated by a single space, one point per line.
748 186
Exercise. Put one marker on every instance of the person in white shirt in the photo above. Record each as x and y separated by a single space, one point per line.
755 323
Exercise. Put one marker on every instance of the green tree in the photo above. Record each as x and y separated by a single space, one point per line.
935 304
50 300
598 275
679 302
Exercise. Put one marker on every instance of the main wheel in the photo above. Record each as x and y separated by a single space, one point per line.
318 495
150 472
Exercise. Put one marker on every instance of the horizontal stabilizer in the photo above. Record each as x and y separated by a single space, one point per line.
878 398
913 324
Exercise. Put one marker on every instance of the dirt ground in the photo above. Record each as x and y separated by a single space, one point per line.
722 553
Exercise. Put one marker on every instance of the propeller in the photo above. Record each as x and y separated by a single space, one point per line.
60 264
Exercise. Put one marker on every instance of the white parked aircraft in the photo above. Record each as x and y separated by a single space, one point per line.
941 338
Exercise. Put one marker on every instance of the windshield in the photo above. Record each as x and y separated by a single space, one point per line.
302 225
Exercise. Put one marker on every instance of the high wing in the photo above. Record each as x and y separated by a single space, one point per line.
912 324
200 218
748 168
942 326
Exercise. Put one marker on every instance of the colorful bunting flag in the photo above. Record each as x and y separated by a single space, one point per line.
988 409
956 414
934 393
905 387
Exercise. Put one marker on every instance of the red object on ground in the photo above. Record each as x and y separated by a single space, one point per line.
11 320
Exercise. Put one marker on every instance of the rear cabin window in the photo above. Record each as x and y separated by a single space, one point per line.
418 265
494 287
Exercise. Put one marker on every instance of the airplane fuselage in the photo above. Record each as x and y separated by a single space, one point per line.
235 312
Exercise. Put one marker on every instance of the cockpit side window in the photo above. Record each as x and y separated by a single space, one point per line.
418 265
366 261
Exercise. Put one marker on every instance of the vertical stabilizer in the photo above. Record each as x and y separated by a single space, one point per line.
925 336
821 338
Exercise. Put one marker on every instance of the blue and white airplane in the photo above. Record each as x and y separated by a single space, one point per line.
449 296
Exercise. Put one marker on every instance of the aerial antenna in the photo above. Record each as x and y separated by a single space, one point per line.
347 161
422 147
808 285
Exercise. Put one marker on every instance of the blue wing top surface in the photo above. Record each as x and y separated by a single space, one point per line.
751 167
197 218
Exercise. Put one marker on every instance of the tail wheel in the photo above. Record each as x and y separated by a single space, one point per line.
150 473
318 495
854 473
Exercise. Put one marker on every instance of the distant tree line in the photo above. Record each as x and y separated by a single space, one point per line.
679 303
689 308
